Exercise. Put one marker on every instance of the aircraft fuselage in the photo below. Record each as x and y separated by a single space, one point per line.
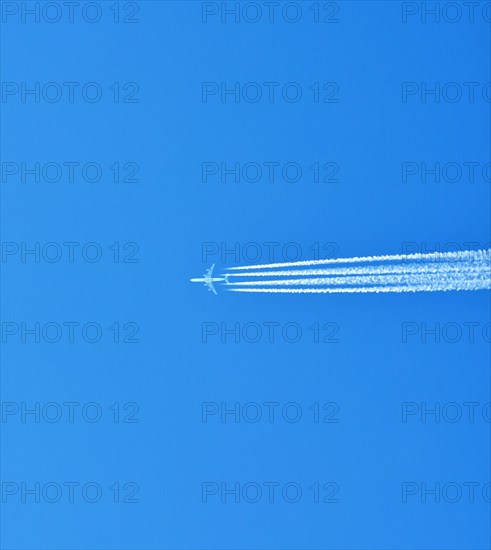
208 280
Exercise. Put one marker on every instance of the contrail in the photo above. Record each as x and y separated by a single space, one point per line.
407 279
383 269
431 256
356 290
469 270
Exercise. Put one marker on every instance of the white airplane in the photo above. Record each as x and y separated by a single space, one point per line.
208 279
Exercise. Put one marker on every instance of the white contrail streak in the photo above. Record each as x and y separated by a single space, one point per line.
469 285
407 279
427 273
365 270
432 256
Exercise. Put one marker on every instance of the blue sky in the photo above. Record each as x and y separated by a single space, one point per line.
166 217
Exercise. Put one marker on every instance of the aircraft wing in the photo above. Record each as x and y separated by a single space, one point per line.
209 272
211 287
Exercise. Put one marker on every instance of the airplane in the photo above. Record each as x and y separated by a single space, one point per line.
208 279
